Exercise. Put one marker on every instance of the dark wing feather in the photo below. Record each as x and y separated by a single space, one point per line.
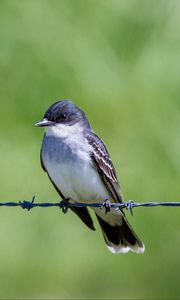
104 165
41 160
84 215
81 212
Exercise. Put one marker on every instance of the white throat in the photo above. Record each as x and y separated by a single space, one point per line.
64 131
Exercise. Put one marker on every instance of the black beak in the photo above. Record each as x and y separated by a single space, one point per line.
44 122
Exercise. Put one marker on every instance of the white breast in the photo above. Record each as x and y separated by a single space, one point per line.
77 181
69 165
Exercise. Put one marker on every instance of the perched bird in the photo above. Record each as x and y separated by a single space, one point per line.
80 168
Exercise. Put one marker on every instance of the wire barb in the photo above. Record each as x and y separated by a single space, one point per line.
129 206
27 204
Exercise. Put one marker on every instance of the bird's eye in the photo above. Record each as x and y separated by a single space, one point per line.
63 117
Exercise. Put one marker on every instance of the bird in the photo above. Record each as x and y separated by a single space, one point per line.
79 166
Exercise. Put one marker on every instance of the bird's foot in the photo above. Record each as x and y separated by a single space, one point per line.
107 205
64 205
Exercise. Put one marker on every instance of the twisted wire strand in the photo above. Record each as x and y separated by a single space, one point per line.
64 205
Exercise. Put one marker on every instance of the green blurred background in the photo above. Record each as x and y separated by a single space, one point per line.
119 60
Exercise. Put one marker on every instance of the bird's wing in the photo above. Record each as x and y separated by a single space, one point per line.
104 165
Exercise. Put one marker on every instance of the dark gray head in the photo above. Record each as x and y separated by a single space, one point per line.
64 112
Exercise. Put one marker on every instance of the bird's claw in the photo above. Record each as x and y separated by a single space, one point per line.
106 205
64 205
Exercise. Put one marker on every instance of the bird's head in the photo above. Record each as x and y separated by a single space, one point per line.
63 116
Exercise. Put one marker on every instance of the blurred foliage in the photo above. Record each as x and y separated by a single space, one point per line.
119 61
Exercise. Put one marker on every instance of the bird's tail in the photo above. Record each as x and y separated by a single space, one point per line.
118 233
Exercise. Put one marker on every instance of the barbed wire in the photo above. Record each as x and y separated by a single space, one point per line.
64 204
